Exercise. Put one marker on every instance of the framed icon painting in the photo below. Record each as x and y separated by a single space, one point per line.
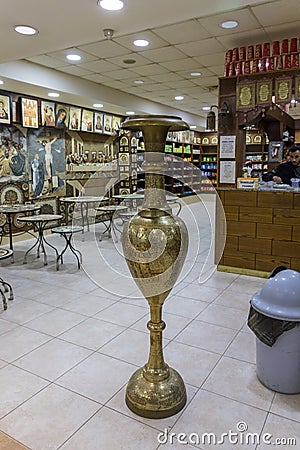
30 118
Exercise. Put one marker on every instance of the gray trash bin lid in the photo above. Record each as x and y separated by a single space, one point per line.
280 297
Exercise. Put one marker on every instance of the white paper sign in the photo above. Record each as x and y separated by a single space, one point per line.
227 172
227 147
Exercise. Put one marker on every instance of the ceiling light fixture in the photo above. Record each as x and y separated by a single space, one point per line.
229 24
26 30
205 108
192 127
179 97
97 105
138 82
130 113
73 57
141 43
195 74
129 61
53 94
1 82
111 5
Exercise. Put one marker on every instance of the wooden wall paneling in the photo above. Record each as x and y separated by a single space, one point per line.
268 263
286 216
276 232
275 199
250 214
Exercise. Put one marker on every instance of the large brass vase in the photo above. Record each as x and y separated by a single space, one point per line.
155 245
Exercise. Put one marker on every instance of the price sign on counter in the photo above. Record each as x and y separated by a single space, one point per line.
247 183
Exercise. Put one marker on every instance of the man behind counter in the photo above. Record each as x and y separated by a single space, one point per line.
287 170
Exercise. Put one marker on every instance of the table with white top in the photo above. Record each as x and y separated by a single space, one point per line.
85 203
40 222
111 212
12 210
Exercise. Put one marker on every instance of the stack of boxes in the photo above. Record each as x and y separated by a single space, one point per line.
265 57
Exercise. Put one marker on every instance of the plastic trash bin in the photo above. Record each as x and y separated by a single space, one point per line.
277 310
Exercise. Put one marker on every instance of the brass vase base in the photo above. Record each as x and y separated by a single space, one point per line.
155 400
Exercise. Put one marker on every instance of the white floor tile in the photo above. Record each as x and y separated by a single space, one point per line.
53 359
54 415
237 380
207 336
98 377
212 413
110 430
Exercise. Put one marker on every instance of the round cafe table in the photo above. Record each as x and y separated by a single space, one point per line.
110 212
85 203
11 210
39 222
67 232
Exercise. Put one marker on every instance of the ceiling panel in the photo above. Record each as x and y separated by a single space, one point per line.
154 40
258 35
164 54
104 49
245 18
169 76
62 55
212 59
121 74
75 70
204 47
188 31
137 57
189 64
150 69
47 61
99 66
277 12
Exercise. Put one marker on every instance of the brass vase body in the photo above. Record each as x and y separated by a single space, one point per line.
155 245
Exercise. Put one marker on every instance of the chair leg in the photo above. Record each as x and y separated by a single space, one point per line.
3 300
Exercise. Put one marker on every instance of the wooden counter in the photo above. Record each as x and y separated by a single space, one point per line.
262 230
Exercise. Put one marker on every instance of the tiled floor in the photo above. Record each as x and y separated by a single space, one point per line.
71 339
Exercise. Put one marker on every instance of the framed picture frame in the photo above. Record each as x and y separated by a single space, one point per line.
74 118
107 124
30 118
61 116
245 95
116 124
264 90
283 89
275 151
87 120
5 109
47 114
98 122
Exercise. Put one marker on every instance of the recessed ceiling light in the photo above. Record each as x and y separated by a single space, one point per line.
73 57
53 94
195 74
97 105
141 43
205 108
25 29
138 82
1 82
193 127
130 113
111 5
229 24
179 97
